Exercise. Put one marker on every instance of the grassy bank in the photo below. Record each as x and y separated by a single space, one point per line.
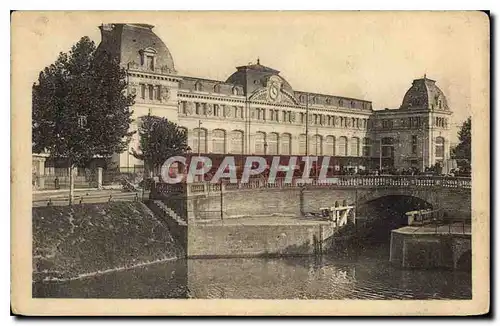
69 242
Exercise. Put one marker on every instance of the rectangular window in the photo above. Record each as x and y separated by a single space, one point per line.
151 92
150 62
143 91
387 151
158 92
366 151
82 121
414 141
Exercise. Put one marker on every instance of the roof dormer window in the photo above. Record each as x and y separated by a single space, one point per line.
150 63
148 58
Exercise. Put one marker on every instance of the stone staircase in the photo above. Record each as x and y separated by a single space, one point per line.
169 212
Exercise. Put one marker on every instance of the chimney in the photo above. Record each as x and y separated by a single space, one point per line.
106 32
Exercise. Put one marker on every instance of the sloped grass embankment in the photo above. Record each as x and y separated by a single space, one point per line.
71 242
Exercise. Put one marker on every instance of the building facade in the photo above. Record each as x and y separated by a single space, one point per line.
256 111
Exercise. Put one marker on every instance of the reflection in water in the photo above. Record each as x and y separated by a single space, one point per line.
357 275
367 275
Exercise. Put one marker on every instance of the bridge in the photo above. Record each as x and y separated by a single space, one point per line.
259 197
250 215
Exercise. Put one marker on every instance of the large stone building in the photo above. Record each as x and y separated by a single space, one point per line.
256 111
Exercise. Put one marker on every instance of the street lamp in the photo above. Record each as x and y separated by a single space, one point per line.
307 124
380 154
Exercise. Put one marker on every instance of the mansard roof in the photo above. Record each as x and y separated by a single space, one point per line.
424 95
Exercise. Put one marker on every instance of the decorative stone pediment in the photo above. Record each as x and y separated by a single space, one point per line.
283 97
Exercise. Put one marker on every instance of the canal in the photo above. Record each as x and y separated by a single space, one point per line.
361 273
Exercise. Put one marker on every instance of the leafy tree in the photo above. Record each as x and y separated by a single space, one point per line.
159 140
80 109
463 149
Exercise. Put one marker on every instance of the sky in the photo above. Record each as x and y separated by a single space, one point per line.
368 55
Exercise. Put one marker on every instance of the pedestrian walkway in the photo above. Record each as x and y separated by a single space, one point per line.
61 198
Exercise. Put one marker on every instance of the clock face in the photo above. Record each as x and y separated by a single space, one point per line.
273 92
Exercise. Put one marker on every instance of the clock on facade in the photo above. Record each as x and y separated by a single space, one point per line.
273 92
274 86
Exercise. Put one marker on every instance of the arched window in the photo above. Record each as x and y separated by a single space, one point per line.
302 144
260 141
237 142
439 147
199 140
218 141
342 146
367 146
330 145
216 88
317 145
286 142
272 143
354 146
198 86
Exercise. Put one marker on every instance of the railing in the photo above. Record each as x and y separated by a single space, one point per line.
338 181
438 219
425 216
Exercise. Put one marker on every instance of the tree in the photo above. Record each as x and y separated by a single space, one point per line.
463 149
80 110
159 140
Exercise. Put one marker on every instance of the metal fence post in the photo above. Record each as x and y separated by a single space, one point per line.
221 203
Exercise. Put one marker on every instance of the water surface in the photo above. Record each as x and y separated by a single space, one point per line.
357 274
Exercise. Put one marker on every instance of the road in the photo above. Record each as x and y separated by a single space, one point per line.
61 197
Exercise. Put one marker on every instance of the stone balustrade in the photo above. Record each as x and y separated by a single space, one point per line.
337 182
